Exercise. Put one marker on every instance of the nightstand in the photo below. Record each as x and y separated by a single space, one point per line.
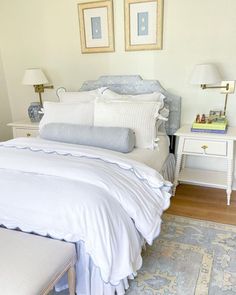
24 128
205 145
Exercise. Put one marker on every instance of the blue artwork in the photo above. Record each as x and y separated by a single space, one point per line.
142 23
96 27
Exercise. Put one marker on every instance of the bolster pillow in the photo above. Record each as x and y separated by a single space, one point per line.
112 138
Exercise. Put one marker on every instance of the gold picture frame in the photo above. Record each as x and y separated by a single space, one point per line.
96 26
143 24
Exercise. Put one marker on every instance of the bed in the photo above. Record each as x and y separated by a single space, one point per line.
115 200
134 84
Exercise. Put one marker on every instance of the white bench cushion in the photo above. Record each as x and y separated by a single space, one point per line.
29 263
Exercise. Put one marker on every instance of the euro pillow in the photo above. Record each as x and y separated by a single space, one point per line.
73 113
108 94
78 96
112 138
137 115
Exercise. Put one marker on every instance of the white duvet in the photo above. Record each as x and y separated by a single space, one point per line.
85 194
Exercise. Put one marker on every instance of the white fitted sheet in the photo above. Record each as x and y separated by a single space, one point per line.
152 158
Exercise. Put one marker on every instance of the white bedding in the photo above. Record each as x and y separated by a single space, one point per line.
153 158
84 194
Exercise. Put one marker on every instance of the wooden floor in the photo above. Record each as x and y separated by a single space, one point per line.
203 203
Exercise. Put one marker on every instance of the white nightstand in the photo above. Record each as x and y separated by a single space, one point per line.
24 128
205 145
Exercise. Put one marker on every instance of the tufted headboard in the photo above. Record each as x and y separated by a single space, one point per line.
136 85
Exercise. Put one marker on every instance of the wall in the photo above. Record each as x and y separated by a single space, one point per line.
5 113
42 33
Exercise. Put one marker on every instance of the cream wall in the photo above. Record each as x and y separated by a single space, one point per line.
42 33
5 112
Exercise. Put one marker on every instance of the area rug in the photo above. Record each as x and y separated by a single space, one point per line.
190 257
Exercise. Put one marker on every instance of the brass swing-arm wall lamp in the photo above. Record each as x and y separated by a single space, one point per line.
40 89
207 74
36 78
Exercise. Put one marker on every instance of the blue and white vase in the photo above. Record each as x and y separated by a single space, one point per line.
34 111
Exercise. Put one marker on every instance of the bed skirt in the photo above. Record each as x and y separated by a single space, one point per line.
88 278
168 169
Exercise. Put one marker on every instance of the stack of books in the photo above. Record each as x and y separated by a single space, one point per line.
217 126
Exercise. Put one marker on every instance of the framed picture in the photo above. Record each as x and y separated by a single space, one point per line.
143 24
96 26
216 113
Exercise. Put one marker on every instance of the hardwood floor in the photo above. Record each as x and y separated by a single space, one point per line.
203 203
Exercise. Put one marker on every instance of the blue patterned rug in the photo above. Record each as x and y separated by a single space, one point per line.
190 257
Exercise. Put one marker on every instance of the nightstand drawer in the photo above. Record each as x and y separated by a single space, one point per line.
20 132
207 147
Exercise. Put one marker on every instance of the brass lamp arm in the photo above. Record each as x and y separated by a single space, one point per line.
39 89
226 86
204 86
48 87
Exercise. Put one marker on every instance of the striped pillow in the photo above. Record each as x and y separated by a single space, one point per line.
139 116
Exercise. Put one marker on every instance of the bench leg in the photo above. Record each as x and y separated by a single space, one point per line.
71 280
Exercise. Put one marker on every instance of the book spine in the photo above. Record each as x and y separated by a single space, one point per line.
209 131
210 127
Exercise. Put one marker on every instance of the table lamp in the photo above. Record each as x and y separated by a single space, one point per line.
36 78
208 74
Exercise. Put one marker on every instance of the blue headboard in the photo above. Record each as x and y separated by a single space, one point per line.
134 84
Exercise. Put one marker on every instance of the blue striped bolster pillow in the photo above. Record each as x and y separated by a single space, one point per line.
112 138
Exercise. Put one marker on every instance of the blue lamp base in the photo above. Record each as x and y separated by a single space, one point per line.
34 112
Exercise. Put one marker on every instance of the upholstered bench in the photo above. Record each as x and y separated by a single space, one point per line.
32 265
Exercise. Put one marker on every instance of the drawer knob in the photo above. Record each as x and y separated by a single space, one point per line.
204 147
28 134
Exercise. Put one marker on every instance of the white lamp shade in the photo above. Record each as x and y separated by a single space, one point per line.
205 74
34 77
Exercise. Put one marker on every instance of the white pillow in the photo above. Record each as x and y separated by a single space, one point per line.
108 94
78 96
139 116
73 113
